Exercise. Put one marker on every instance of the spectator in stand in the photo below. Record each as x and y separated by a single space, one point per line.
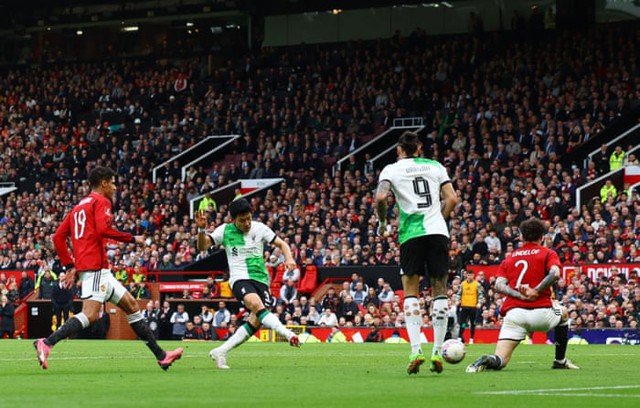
607 191
292 275
164 321
328 318
288 293
371 298
152 315
205 315
7 325
208 333
121 273
616 159
45 285
387 294
139 273
349 309
358 294
191 332
222 316
26 285
328 299
61 300
179 320
602 160
143 291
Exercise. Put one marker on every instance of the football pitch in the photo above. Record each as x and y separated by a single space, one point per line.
124 374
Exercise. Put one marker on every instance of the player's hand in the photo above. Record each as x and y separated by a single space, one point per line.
381 231
290 264
201 218
69 278
528 293
139 239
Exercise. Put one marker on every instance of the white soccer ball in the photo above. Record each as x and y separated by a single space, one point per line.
453 351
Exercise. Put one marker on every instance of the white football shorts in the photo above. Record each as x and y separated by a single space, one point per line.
101 286
518 322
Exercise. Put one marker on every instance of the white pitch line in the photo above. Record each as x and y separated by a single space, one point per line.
547 391
91 358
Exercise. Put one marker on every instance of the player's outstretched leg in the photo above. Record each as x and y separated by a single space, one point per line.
219 354
141 328
169 358
70 327
43 350
270 321
485 361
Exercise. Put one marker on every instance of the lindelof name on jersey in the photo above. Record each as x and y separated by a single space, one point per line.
525 252
418 169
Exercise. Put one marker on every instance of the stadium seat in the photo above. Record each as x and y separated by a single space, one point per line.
309 281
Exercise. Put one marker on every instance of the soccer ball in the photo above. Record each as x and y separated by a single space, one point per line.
453 351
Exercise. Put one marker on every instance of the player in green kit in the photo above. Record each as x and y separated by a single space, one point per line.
243 241
418 185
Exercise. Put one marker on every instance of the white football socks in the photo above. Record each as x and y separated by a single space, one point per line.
440 307
413 320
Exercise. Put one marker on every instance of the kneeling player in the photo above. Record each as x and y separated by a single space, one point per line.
526 278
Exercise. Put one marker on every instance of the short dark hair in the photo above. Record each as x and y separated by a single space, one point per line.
240 206
532 229
409 142
99 174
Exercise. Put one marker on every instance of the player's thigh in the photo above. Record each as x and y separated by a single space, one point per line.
120 296
254 295
436 256
412 257
544 319
514 326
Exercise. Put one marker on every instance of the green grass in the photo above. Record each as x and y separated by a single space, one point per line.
124 374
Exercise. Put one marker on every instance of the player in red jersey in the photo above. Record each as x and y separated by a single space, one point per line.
526 278
89 226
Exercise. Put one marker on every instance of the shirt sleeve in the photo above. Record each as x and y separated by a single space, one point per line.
218 235
266 234
502 270
104 219
60 241
385 174
444 176
554 259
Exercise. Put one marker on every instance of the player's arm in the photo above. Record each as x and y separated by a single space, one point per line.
449 198
384 187
204 241
551 278
104 228
502 286
60 242
289 262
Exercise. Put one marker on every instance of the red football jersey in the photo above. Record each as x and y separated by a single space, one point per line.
89 226
528 266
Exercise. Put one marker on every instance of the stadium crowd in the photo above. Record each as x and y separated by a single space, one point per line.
500 114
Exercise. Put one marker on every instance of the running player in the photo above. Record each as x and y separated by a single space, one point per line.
89 226
243 241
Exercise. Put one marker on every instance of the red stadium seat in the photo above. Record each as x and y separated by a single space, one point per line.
309 281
